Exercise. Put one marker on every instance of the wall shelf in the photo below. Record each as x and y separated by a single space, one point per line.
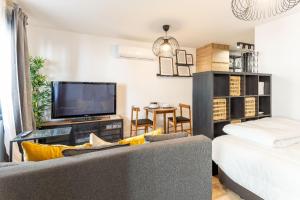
160 75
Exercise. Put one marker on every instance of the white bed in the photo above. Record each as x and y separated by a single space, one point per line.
270 173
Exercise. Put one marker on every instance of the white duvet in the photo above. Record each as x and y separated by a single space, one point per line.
272 132
271 173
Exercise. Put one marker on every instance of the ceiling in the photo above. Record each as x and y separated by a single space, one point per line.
193 22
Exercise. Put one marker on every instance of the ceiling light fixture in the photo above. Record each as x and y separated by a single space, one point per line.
250 10
165 46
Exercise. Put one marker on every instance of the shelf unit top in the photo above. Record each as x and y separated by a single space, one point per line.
233 73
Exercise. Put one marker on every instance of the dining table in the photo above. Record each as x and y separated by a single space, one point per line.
161 111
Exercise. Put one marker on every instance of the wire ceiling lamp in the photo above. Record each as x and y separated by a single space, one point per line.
251 10
165 45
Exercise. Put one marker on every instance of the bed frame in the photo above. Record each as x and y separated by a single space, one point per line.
238 189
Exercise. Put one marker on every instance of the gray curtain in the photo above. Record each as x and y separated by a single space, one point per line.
21 86
2 148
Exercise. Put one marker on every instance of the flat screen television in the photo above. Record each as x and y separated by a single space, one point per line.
82 99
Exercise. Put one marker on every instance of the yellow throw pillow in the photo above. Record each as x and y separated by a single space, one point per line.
155 132
140 139
38 152
96 141
137 140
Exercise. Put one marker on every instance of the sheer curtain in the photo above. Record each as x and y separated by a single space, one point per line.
15 86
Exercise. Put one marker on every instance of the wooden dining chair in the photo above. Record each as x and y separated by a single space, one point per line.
181 120
139 124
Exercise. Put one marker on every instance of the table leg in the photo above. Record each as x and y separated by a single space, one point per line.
165 127
146 127
10 151
174 121
154 120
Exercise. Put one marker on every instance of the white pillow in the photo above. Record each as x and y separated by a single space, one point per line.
96 141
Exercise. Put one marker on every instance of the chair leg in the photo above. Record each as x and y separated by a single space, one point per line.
181 127
168 127
130 129
145 129
136 130
191 132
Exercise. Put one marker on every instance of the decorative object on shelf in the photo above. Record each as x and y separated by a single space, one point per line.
41 91
184 71
250 10
235 86
250 105
212 57
235 63
181 57
166 66
249 57
219 109
166 45
261 88
236 121
189 59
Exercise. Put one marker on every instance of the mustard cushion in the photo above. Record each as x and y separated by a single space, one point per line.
140 139
38 152
155 132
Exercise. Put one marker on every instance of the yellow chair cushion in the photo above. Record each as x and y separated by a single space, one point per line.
140 139
38 152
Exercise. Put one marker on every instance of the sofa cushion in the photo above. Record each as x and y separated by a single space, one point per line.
96 141
140 139
156 138
74 152
39 152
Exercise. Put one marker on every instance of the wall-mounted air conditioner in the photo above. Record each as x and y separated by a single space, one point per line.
135 53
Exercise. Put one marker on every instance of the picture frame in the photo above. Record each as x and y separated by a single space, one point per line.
189 59
184 71
166 66
181 57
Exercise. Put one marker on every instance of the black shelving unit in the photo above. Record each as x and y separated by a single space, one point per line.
210 85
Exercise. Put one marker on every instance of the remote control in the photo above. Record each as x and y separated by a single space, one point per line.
26 133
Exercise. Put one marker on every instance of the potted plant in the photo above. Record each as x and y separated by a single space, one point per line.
40 89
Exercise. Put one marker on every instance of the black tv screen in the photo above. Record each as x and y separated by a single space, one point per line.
80 99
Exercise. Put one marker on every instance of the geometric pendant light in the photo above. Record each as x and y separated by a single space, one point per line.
165 46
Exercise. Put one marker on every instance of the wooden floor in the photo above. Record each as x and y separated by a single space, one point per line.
219 192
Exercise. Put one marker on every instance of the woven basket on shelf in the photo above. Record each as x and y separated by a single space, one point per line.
219 109
236 121
235 86
250 105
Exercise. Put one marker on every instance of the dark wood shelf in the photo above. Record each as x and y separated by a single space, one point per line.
184 65
160 75
220 121
264 95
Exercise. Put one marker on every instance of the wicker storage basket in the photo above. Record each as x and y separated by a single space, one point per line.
236 121
219 109
235 86
250 105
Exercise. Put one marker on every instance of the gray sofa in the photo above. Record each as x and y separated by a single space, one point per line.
178 169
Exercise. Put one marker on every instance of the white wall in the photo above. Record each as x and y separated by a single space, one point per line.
279 45
80 57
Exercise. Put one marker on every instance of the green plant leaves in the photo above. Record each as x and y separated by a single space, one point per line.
41 92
